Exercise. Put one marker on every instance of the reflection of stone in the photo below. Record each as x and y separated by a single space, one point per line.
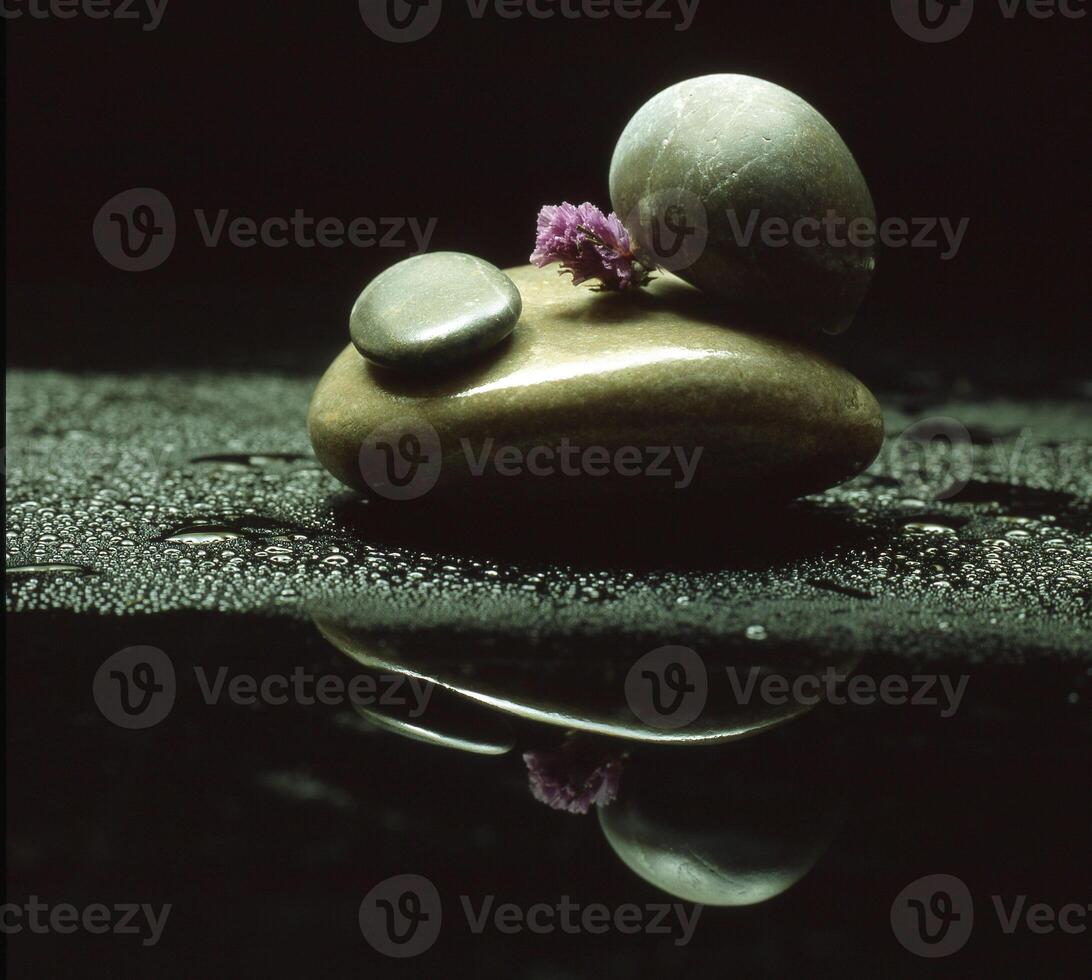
576 683
441 717
730 827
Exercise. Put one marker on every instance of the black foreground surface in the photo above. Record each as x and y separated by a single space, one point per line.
185 512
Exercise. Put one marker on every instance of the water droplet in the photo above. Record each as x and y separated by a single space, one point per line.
202 535
242 461
923 527
49 568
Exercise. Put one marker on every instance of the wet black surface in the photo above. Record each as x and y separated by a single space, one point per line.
186 492
186 513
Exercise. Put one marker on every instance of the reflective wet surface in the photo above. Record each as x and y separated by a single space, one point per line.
264 810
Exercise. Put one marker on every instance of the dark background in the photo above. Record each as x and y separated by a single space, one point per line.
263 108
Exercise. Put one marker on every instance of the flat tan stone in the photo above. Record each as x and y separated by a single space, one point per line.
645 369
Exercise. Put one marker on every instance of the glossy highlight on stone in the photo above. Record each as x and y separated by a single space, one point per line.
433 312
647 371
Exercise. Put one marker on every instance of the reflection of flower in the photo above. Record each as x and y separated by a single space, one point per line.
589 245
575 776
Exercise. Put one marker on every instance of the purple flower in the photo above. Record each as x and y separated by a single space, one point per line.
589 245
575 776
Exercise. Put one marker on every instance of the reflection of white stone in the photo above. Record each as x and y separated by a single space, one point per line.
748 850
